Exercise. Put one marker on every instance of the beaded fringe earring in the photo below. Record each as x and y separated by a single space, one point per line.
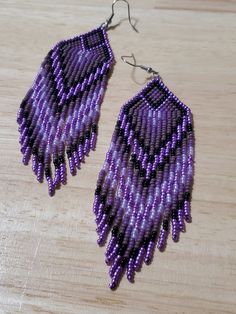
60 112
144 187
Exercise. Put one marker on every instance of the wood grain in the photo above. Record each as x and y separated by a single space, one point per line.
50 262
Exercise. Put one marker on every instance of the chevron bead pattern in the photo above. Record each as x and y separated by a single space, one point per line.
60 112
144 188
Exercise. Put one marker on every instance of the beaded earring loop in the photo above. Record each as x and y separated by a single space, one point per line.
144 187
59 114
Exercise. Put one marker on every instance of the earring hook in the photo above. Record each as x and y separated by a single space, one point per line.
109 20
143 67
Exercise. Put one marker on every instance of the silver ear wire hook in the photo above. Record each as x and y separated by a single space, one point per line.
143 67
109 20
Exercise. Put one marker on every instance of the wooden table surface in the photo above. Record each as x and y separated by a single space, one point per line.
49 259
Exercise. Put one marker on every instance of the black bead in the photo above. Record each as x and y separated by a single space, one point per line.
126 110
153 236
146 149
122 249
31 142
121 133
28 123
180 204
165 224
178 144
172 152
40 158
81 140
103 199
189 127
174 214
184 134
142 172
129 118
107 209
137 164
136 134
166 159
145 242
94 128
173 129
187 196
120 238
141 142
74 147
168 136
118 123
30 131
151 158
163 142
98 190
56 163
134 253
127 148
61 159
124 261
115 231
69 153
59 109
110 219
87 134
179 120
133 157
23 104
157 151
153 174
34 150
146 183
160 167
47 172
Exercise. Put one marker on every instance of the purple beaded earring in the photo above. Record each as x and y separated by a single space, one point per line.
60 112
146 181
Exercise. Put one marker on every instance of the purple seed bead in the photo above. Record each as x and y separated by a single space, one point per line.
72 165
96 204
181 220
149 253
40 173
162 240
93 141
26 156
34 164
51 187
187 214
102 223
63 173
57 178
111 256
110 246
139 259
114 266
116 278
175 230
103 235
76 159
130 270
86 147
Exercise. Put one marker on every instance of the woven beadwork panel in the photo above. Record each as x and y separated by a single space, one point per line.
144 188
60 112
